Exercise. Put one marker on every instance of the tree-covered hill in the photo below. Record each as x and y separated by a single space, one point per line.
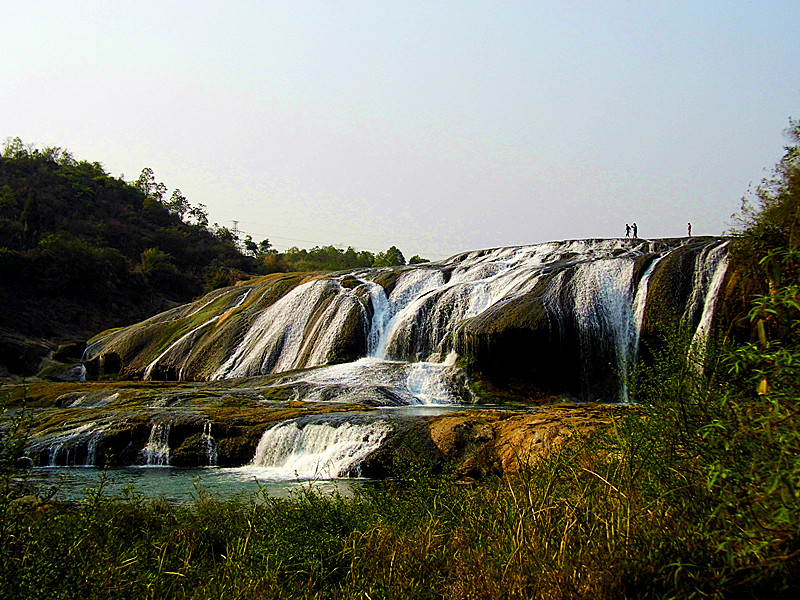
82 251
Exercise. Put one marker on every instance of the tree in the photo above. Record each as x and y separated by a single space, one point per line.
390 258
30 220
417 260
178 204
8 202
14 148
159 269
771 230
264 246
250 246
151 189
198 214
224 235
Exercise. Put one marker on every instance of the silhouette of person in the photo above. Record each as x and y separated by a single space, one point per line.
627 230
689 229
635 231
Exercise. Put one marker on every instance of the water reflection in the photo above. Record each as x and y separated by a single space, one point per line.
176 486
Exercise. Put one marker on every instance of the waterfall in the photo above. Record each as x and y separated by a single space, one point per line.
570 313
75 446
428 382
639 302
317 448
156 452
209 444
710 264
382 313
603 305
274 340
716 263
410 287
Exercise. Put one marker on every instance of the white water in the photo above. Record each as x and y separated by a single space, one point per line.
717 263
75 446
586 286
604 308
411 287
317 450
210 444
156 452
409 334
274 341
376 382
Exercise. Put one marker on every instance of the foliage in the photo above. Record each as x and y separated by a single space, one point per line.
15 420
104 251
768 223
50 202
390 258
326 258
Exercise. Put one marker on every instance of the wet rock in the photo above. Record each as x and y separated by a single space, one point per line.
502 442
517 341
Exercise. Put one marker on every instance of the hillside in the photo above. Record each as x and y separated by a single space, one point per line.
82 251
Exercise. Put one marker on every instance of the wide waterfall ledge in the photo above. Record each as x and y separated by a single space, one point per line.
563 319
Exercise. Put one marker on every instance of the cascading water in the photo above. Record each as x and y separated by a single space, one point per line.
156 452
717 266
317 447
273 343
74 447
381 336
209 444
185 341
565 318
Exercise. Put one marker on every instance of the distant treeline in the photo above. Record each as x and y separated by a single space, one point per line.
324 258
67 227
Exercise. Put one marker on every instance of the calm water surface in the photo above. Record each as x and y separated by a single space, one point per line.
178 486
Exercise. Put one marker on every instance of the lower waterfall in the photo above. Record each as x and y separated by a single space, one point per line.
156 452
73 447
313 448
209 444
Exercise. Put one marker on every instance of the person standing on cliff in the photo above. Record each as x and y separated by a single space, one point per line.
627 230
635 231
689 229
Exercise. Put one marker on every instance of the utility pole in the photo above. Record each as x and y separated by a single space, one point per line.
236 233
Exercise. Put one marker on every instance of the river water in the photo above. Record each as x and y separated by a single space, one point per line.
176 486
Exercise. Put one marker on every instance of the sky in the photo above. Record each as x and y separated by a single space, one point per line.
437 127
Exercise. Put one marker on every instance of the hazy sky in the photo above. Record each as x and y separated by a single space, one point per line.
434 126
